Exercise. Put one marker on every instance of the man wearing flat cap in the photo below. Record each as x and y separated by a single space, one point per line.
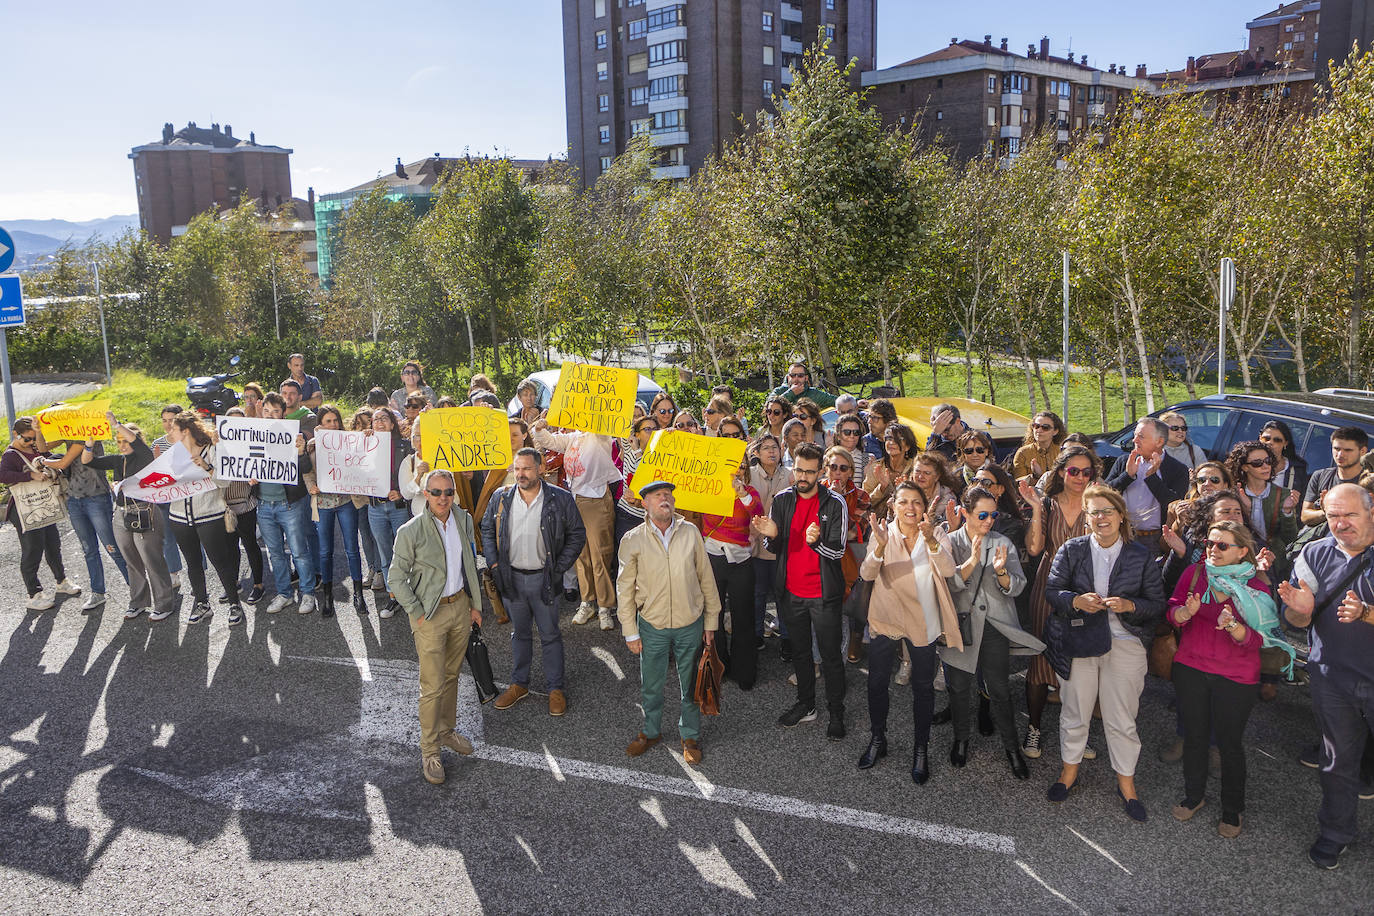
667 604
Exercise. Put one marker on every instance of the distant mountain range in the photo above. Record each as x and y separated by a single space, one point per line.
37 239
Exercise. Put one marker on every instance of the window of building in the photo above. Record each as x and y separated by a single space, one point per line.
992 84
830 4
666 87
939 115
666 18
640 126
603 71
604 132
794 31
767 89
1025 115
767 21
901 88
667 52
1013 82
793 61
1299 36
634 2
940 83
1078 122
1288 27
600 9
829 33
992 116
1288 45
637 63
639 28
601 39
603 102
605 163
639 95
666 121
768 55
1013 145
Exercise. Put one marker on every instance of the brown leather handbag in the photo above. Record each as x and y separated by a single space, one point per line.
1165 646
707 683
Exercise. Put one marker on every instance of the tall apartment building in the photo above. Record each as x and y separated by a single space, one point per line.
979 98
196 169
1343 22
689 73
1287 35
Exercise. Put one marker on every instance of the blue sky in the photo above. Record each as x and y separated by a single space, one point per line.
351 86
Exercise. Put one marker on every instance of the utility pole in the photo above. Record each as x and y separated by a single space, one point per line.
1226 289
104 340
1065 416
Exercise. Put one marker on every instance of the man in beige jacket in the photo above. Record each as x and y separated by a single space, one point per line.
667 604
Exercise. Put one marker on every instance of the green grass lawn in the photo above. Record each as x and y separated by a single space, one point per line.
137 398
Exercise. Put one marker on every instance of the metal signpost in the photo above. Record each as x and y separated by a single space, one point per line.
11 316
1065 415
1226 289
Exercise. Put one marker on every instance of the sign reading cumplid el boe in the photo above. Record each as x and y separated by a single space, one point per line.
353 463
253 449
594 399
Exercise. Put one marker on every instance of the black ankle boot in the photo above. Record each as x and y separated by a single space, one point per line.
920 765
985 726
326 596
958 754
1018 763
877 747
359 604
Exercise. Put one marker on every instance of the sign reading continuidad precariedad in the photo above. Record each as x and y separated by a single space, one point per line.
353 463
75 421
699 467
255 449
465 439
594 399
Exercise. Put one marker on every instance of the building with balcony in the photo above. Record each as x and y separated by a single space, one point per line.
689 73
978 98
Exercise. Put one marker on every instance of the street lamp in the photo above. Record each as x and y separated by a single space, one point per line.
104 341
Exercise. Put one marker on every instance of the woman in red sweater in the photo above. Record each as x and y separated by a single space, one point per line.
727 544
1225 615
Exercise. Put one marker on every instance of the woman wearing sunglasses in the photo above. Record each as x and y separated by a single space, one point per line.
663 409
1177 443
849 434
1225 614
1270 510
1044 434
975 449
1290 468
1107 587
806 410
717 409
987 580
776 412
412 382
838 477
1208 478
1055 518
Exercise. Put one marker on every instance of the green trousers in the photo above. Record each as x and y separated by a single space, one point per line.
683 643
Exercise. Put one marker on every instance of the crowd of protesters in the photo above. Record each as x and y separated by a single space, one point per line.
936 562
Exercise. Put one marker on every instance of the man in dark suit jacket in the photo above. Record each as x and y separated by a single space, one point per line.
1149 479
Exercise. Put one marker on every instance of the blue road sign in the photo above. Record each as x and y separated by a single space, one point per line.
6 251
11 303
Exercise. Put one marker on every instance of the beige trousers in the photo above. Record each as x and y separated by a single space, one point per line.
595 578
1116 679
441 642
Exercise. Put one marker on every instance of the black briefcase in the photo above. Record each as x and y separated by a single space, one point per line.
479 663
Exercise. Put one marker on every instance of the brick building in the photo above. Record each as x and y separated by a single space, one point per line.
979 98
1287 35
196 169
685 72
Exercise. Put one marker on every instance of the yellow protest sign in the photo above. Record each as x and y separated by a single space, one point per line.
75 421
594 399
699 467
465 439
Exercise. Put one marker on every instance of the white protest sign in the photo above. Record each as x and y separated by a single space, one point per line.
171 476
254 449
353 463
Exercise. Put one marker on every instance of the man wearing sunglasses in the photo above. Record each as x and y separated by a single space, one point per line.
798 386
945 429
1150 479
434 578
533 534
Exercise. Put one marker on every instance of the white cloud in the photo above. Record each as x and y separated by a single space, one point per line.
422 76
70 205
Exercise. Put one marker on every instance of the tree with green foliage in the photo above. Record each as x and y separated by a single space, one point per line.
377 266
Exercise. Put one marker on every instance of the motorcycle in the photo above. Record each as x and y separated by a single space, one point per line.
209 396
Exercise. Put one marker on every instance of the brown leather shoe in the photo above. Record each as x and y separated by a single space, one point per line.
691 751
641 744
433 768
856 648
457 743
514 694
558 703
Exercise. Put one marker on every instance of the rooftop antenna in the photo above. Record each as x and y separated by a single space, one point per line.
1069 55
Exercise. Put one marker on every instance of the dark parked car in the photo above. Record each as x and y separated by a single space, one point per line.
1218 421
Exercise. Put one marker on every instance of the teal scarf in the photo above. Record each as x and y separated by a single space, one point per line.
1257 609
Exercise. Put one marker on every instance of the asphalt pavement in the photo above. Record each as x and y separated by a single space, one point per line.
274 768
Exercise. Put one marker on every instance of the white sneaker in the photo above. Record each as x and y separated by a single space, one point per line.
40 601
387 611
67 587
307 604
586 612
607 618
904 674
93 601
133 612
278 604
155 616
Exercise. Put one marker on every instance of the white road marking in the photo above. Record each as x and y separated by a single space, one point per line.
1100 851
1265 753
651 807
1041 881
609 660
704 785
744 833
714 869
552 762
529 851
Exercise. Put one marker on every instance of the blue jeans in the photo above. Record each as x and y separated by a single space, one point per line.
526 606
374 562
93 519
1344 707
312 539
170 553
347 516
386 520
278 521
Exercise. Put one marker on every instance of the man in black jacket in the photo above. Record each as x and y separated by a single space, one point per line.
807 529
1150 480
532 534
